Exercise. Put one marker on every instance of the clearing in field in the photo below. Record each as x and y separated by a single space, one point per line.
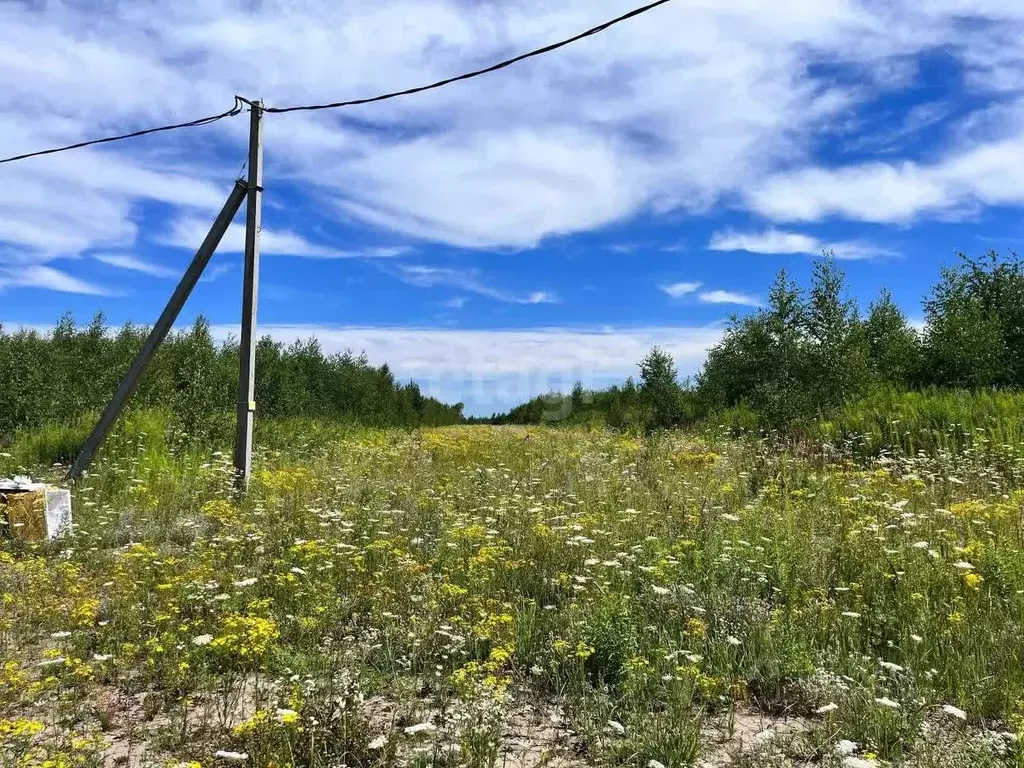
479 596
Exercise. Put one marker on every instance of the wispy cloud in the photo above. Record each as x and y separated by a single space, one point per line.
455 303
50 279
215 271
678 290
189 233
135 264
729 297
775 241
469 280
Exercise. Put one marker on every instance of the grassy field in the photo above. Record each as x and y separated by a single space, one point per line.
478 596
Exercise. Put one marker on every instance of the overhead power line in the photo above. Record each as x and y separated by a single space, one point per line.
237 108
476 73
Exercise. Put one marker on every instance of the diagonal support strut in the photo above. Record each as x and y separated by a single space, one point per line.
160 330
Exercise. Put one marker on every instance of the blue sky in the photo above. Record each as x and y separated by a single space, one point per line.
508 235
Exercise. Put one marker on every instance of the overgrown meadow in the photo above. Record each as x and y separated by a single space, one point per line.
480 596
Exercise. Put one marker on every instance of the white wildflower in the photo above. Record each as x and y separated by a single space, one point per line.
733 640
830 707
297 571
51 662
236 757
920 545
412 730
858 762
102 656
884 701
202 639
378 743
845 747
730 518
851 614
655 764
917 638
963 565
246 582
60 635
660 590
890 666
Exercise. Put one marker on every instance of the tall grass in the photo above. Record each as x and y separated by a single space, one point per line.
413 597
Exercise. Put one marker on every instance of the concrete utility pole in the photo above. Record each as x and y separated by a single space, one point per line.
250 292
160 329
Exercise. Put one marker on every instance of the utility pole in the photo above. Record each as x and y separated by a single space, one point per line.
250 292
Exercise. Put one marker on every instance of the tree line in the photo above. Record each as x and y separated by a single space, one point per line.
811 350
74 370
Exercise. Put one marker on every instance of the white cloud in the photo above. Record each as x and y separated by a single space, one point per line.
678 290
691 104
775 241
771 241
455 303
469 280
135 264
214 272
729 297
47 278
190 232
541 297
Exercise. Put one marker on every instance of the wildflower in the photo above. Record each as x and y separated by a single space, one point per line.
851 614
730 518
952 711
378 743
660 590
920 545
298 571
917 638
963 565
616 726
830 707
235 757
858 762
51 662
60 635
973 580
202 640
287 716
733 640
655 764
890 666
102 657
246 582
884 701
412 730
845 747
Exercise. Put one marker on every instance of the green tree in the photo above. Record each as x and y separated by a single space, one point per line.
975 316
894 349
838 356
660 389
